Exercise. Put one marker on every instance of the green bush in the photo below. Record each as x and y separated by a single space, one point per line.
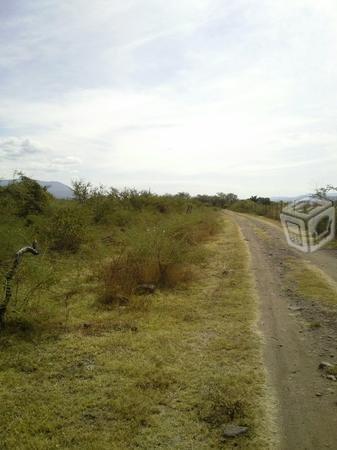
24 196
102 210
66 229
263 208
13 236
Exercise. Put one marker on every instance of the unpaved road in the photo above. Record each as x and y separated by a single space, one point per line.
306 400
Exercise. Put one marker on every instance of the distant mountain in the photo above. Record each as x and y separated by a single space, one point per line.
57 189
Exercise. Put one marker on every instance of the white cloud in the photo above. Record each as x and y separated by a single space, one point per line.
240 91
13 148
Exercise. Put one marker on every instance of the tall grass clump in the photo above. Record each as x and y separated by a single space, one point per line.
162 254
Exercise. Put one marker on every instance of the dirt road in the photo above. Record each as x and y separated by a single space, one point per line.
306 399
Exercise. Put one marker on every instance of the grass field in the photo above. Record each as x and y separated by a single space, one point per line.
310 283
168 370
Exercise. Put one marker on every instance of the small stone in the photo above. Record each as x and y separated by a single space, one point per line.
234 431
319 394
295 308
324 365
331 377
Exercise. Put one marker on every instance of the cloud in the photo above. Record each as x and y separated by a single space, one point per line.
183 89
67 162
34 158
14 148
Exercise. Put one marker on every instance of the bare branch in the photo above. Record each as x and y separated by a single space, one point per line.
33 249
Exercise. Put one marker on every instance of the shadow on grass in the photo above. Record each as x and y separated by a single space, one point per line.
28 330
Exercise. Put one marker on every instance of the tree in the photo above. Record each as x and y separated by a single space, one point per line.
224 200
323 191
260 200
82 190
25 196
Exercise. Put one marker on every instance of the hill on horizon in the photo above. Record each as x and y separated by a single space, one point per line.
55 188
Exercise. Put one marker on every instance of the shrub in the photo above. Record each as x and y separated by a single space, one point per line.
36 275
244 206
196 227
24 196
151 257
156 251
122 217
13 236
162 254
66 229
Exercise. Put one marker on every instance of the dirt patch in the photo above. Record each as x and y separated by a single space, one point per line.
298 333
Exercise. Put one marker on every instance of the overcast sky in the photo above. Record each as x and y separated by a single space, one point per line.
182 95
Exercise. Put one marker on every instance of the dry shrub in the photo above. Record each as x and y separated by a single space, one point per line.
196 227
178 273
162 254
125 272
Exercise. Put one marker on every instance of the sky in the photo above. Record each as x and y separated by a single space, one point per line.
202 96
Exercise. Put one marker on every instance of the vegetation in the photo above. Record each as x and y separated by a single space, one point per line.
23 197
219 200
147 238
310 283
263 206
259 206
87 362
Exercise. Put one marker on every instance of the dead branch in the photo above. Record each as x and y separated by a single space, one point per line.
10 275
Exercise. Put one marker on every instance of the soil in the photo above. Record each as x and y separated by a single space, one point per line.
306 399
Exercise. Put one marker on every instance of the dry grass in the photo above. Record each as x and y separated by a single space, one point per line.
167 371
310 283
162 254
262 233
